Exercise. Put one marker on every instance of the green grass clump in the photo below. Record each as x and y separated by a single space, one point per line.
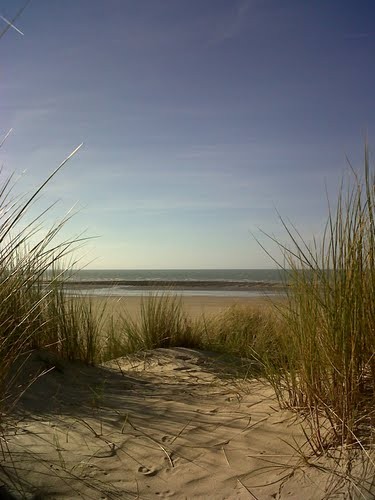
26 312
329 343
74 327
247 332
161 323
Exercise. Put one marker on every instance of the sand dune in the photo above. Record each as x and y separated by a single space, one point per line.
170 423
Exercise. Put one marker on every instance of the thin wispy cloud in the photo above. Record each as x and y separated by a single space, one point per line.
28 115
230 27
358 36
166 206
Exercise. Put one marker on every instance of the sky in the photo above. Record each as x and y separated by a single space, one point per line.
201 120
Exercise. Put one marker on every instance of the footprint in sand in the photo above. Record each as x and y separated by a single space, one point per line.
148 472
165 494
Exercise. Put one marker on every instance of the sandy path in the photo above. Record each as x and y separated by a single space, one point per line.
167 424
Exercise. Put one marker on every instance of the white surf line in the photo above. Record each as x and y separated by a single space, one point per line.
11 25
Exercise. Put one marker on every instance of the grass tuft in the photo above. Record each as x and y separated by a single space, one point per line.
329 342
161 322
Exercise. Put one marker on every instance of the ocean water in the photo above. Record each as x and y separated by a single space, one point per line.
191 282
229 275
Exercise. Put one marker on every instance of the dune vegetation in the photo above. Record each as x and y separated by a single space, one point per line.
328 343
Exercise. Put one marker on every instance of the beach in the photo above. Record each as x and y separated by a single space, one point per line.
167 423
179 423
194 306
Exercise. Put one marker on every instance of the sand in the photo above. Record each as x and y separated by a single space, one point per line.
168 423
194 306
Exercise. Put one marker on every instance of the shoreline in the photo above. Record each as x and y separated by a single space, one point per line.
194 288
177 284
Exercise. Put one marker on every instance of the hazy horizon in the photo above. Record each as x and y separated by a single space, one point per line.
199 119
180 269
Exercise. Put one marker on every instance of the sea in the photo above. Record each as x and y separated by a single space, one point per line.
192 282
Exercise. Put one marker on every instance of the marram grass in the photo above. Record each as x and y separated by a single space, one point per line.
24 315
329 342
161 322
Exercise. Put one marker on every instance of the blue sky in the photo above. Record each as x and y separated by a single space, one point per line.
198 118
